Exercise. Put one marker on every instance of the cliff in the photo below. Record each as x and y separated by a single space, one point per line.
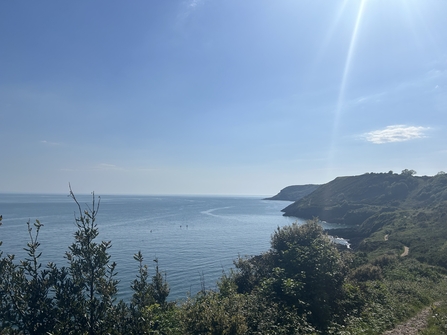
294 192
351 200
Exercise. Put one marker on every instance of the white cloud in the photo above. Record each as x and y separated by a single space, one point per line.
396 133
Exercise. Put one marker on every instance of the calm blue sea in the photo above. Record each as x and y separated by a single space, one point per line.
194 237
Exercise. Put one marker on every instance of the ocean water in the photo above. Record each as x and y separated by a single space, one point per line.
194 238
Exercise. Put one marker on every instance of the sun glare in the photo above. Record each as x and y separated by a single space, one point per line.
330 33
344 79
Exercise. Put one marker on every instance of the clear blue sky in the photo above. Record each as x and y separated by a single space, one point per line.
218 97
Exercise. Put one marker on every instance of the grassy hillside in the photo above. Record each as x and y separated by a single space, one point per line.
352 200
294 192
385 212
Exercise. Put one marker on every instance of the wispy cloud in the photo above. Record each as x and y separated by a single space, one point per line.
396 133
97 167
432 80
188 7
107 167
375 97
194 3
49 143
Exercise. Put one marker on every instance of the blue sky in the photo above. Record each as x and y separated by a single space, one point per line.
218 97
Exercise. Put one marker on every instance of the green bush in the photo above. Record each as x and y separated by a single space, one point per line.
367 272
80 298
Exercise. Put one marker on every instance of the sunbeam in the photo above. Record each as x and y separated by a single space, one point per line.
341 95
330 34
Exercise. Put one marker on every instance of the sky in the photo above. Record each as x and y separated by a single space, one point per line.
218 97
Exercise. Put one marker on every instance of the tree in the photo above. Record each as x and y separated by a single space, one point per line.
148 300
408 173
26 304
86 290
302 271
309 268
80 298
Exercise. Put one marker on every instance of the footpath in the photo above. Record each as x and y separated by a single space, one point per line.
413 325
416 323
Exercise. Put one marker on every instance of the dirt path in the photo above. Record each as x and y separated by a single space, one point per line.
412 326
406 251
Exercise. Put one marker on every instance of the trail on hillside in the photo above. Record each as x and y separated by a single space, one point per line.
406 251
413 325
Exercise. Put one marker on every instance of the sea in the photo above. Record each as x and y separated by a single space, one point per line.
195 239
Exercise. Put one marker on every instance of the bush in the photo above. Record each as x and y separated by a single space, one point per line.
79 298
367 272
302 271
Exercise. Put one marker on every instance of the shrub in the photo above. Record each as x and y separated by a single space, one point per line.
367 272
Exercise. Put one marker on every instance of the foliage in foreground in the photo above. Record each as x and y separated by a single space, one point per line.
81 297
303 284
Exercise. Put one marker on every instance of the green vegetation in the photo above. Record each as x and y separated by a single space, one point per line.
437 323
294 192
351 200
304 284
409 210
79 298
